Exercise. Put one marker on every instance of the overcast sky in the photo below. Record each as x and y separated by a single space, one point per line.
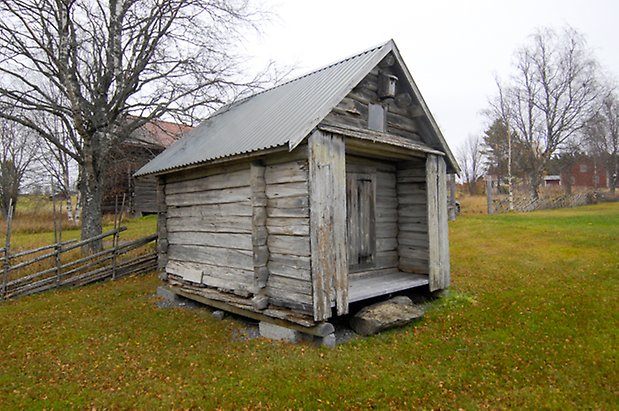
453 49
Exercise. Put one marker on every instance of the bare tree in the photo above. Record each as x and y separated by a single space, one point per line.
103 68
603 136
551 96
18 149
62 168
470 157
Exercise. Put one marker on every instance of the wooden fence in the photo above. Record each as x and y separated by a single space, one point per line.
65 266
547 201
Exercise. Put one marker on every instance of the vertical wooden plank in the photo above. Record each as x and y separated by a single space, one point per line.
339 233
259 229
437 222
433 223
443 219
327 175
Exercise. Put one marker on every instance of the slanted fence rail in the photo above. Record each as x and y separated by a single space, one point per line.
525 204
64 265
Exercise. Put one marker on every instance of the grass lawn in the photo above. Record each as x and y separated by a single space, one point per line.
532 322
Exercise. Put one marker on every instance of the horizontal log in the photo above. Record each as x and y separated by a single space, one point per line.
412 189
386 230
289 245
386 244
385 259
388 215
405 200
287 172
409 240
301 201
353 162
290 284
285 296
206 171
301 212
413 266
386 178
242 208
228 195
401 122
288 225
221 257
279 316
412 180
418 220
212 275
239 178
290 266
412 210
226 240
299 188
215 224
386 202
411 253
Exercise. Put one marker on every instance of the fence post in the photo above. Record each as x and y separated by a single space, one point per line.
7 248
117 221
489 194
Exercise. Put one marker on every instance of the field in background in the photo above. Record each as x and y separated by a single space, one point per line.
33 224
472 205
531 322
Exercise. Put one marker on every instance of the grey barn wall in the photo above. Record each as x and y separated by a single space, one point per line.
287 191
413 242
209 227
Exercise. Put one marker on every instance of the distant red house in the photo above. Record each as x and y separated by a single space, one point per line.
144 144
586 172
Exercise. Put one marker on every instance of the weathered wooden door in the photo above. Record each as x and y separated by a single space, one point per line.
360 210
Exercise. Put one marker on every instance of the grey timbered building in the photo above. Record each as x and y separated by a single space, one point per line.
297 201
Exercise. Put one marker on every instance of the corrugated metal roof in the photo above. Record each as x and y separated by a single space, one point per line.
282 115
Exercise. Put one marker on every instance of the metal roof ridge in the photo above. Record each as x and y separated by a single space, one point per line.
237 103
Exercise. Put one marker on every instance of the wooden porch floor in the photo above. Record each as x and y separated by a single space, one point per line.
373 285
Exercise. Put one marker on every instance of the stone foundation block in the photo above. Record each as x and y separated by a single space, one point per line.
168 295
276 332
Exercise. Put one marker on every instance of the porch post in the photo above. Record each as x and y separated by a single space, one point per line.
327 190
436 176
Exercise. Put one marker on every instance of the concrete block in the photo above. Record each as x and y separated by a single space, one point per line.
167 294
276 332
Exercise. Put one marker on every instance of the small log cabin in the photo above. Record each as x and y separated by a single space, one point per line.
297 201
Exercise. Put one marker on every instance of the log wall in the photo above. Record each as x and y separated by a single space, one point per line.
412 214
209 228
287 223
